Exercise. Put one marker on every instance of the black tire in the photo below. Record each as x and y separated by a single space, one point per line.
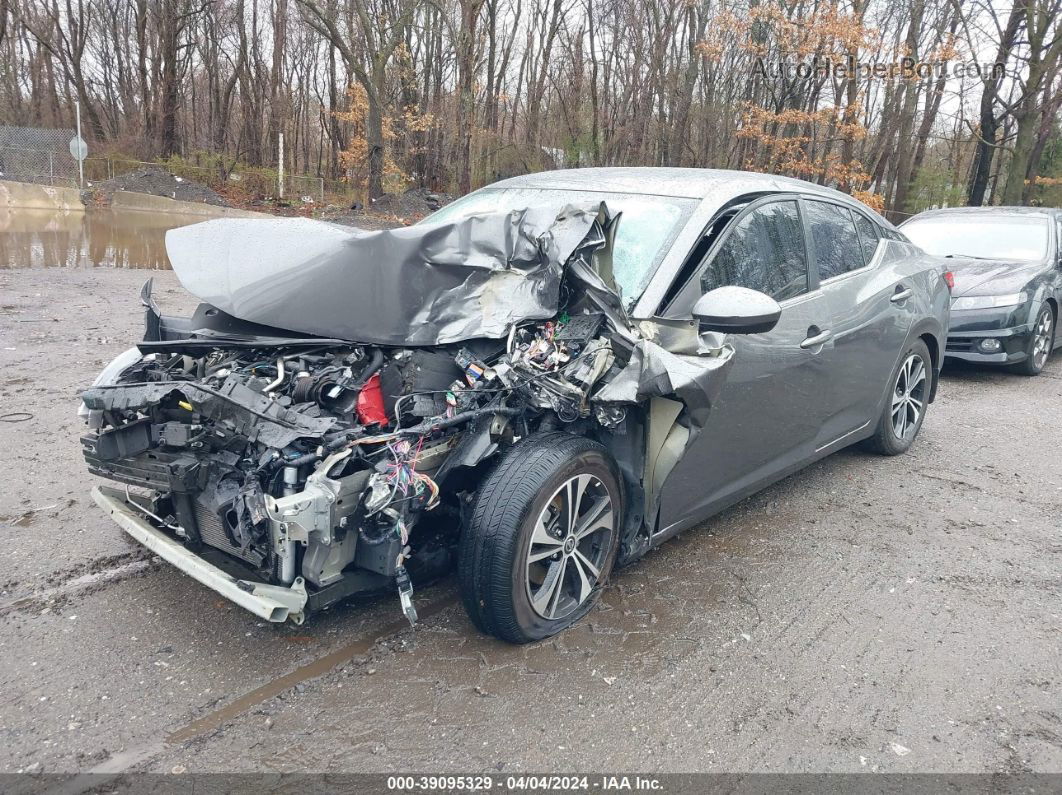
1034 363
886 439
494 572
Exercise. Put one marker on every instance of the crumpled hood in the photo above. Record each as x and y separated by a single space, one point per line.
436 284
427 284
990 277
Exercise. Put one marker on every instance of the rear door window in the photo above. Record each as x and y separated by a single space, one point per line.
837 245
869 236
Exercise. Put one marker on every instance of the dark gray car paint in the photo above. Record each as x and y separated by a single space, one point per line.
422 285
736 453
769 415
781 405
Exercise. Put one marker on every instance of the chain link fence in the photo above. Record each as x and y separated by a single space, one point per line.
30 154
256 183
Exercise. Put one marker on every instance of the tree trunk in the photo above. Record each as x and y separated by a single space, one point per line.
1043 55
1049 114
849 116
466 102
375 139
169 89
989 123
696 20
905 156
595 104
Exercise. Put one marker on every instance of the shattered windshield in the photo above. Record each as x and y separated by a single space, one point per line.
1002 237
646 230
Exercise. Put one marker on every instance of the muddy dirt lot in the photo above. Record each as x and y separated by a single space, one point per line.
868 614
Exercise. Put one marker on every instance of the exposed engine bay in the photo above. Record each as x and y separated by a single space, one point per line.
316 468
304 460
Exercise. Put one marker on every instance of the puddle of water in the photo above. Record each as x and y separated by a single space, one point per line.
98 237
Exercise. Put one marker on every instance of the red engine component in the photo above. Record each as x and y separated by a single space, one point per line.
370 405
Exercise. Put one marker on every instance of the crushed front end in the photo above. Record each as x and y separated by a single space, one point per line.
289 470
305 471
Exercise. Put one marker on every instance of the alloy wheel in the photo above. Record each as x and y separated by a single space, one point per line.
909 396
569 544
1042 339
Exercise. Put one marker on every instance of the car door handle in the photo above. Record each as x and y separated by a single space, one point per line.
816 339
902 294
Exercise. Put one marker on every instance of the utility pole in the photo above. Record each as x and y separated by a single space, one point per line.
280 167
80 160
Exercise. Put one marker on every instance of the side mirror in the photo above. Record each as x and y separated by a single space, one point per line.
736 310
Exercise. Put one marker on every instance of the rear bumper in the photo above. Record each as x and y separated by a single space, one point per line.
271 602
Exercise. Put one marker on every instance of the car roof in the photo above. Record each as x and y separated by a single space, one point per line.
1047 212
694 183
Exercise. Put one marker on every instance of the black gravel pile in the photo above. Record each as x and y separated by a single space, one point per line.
159 182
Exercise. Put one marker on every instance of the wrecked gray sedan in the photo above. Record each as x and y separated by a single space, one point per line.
540 382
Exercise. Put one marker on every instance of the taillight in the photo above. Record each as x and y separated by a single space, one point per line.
949 279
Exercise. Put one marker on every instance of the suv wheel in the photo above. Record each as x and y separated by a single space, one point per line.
542 539
905 402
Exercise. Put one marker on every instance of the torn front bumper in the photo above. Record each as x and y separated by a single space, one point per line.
271 602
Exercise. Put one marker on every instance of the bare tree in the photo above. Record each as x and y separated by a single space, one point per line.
378 31
450 94
1044 32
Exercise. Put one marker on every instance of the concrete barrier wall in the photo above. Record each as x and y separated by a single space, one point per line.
146 202
29 196
26 195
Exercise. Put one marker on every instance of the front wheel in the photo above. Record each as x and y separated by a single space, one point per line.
542 539
1041 342
905 402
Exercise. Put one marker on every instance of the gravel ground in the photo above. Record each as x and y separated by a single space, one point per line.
866 614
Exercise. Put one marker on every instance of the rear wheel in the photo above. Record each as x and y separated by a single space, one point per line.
1041 342
905 402
542 539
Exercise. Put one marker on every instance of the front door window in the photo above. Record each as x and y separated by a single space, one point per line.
763 251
